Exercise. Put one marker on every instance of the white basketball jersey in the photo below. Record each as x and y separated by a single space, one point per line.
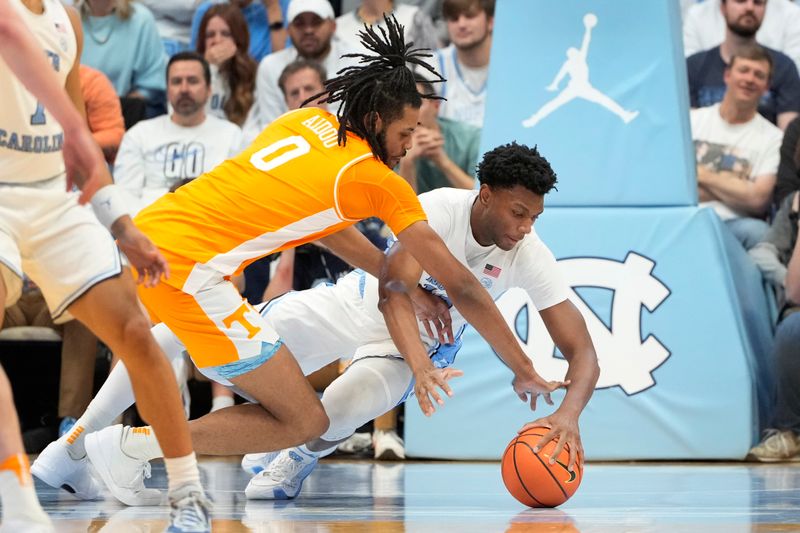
465 89
30 138
530 265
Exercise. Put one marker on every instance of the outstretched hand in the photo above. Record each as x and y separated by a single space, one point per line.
564 428
434 314
427 381
146 259
534 386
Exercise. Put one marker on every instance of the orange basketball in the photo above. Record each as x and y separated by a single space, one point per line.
530 477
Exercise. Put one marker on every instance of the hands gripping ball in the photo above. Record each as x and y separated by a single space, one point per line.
530 477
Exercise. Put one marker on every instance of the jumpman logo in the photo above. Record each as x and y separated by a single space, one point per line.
578 85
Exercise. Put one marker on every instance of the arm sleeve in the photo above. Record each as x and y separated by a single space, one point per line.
692 32
370 189
769 159
129 170
537 272
788 179
440 217
151 60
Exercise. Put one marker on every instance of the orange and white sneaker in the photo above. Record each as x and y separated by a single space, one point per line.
122 474
56 467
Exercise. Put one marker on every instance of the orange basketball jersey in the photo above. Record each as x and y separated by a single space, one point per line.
292 185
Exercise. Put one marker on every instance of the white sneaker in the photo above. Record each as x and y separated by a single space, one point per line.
56 467
283 478
357 443
253 463
20 525
123 475
388 445
190 511
777 446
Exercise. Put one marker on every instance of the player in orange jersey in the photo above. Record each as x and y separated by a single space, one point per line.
309 175
45 233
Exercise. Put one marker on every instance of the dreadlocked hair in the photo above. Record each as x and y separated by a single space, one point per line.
380 85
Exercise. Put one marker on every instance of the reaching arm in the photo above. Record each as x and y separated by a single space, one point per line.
568 330
277 38
477 307
587 36
399 277
351 246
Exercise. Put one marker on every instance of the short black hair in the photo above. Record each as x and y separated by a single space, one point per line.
516 164
191 56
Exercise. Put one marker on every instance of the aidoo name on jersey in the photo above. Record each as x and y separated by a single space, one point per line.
39 144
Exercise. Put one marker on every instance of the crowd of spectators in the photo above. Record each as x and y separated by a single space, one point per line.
173 88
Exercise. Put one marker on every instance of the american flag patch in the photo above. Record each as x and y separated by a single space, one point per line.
491 270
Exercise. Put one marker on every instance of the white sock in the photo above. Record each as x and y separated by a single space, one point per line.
140 443
17 494
221 402
182 471
112 399
116 395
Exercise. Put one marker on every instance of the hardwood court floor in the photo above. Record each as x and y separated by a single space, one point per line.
364 496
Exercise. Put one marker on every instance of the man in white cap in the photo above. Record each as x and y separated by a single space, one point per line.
311 27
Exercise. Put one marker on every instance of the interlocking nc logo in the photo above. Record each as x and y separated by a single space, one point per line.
625 359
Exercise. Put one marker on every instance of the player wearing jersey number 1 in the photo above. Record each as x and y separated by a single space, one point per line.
46 234
309 175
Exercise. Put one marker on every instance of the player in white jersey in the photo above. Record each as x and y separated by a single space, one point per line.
48 235
484 230
491 232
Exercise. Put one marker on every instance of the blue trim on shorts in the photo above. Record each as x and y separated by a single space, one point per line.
243 366
13 270
114 272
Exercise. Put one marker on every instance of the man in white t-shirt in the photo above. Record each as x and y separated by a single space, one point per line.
157 153
737 149
704 27
491 232
465 63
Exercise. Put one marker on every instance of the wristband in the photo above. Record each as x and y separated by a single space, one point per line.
109 205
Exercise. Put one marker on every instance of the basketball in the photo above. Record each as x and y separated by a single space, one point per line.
529 476
590 20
